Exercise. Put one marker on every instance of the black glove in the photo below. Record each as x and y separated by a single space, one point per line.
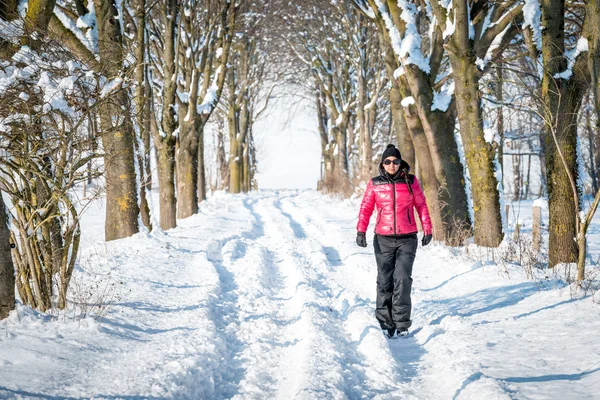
361 240
426 239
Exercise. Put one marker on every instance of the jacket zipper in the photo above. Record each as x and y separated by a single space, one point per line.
394 191
408 212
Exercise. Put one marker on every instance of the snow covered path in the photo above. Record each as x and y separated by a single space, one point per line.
266 296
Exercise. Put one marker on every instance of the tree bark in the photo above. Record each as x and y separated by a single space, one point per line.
8 12
164 142
228 20
437 152
366 144
116 130
223 167
327 178
562 99
499 89
201 170
140 109
187 170
166 184
36 22
593 33
480 154
234 134
246 169
7 270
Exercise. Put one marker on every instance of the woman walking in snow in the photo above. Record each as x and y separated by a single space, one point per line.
394 193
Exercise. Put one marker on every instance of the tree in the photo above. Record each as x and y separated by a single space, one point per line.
245 99
428 108
477 33
142 110
203 59
116 129
166 47
7 269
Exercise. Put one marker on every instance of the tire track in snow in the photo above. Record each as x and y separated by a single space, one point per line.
224 305
258 293
165 337
318 364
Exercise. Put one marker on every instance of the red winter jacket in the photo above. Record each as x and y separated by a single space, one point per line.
394 202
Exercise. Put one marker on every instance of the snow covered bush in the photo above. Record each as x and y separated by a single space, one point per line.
46 149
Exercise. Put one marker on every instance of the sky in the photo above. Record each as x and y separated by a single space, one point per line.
289 148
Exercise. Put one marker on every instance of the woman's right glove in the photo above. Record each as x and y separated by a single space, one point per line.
427 236
361 239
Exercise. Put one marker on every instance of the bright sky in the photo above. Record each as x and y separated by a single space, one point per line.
289 148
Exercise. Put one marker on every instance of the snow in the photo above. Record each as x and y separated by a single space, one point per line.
89 38
490 52
443 98
581 47
450 24
111 86
11 30
407 101
267 296
532 17
211 96
408 47
541 202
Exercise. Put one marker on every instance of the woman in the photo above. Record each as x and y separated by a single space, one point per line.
394 192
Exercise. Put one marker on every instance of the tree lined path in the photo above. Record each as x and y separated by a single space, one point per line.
276 301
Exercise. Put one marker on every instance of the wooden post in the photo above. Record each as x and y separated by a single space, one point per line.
536 228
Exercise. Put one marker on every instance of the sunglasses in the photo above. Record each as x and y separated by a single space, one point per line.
397 161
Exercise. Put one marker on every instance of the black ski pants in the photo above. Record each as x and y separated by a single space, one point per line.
395 256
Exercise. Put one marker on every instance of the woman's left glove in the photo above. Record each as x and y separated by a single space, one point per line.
361 239
426 238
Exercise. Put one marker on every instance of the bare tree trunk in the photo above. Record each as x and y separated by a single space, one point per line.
593 21
500 99
247 167
228 20
590 139
201 170
366 144
327 178
222 165
165 141
36 22
429 180
403 137
562 99
140 109
7 270
480 155
116 130
233 123
187 169
166 184
438 157
517 184
8 12
528 182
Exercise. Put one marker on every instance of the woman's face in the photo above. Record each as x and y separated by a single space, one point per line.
389 166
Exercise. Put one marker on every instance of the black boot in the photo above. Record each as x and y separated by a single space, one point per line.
388 333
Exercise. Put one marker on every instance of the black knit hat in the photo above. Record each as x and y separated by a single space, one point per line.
391 151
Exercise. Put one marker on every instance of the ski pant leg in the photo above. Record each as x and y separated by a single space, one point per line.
401 303
385 255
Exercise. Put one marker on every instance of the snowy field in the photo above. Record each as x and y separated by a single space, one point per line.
266 296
